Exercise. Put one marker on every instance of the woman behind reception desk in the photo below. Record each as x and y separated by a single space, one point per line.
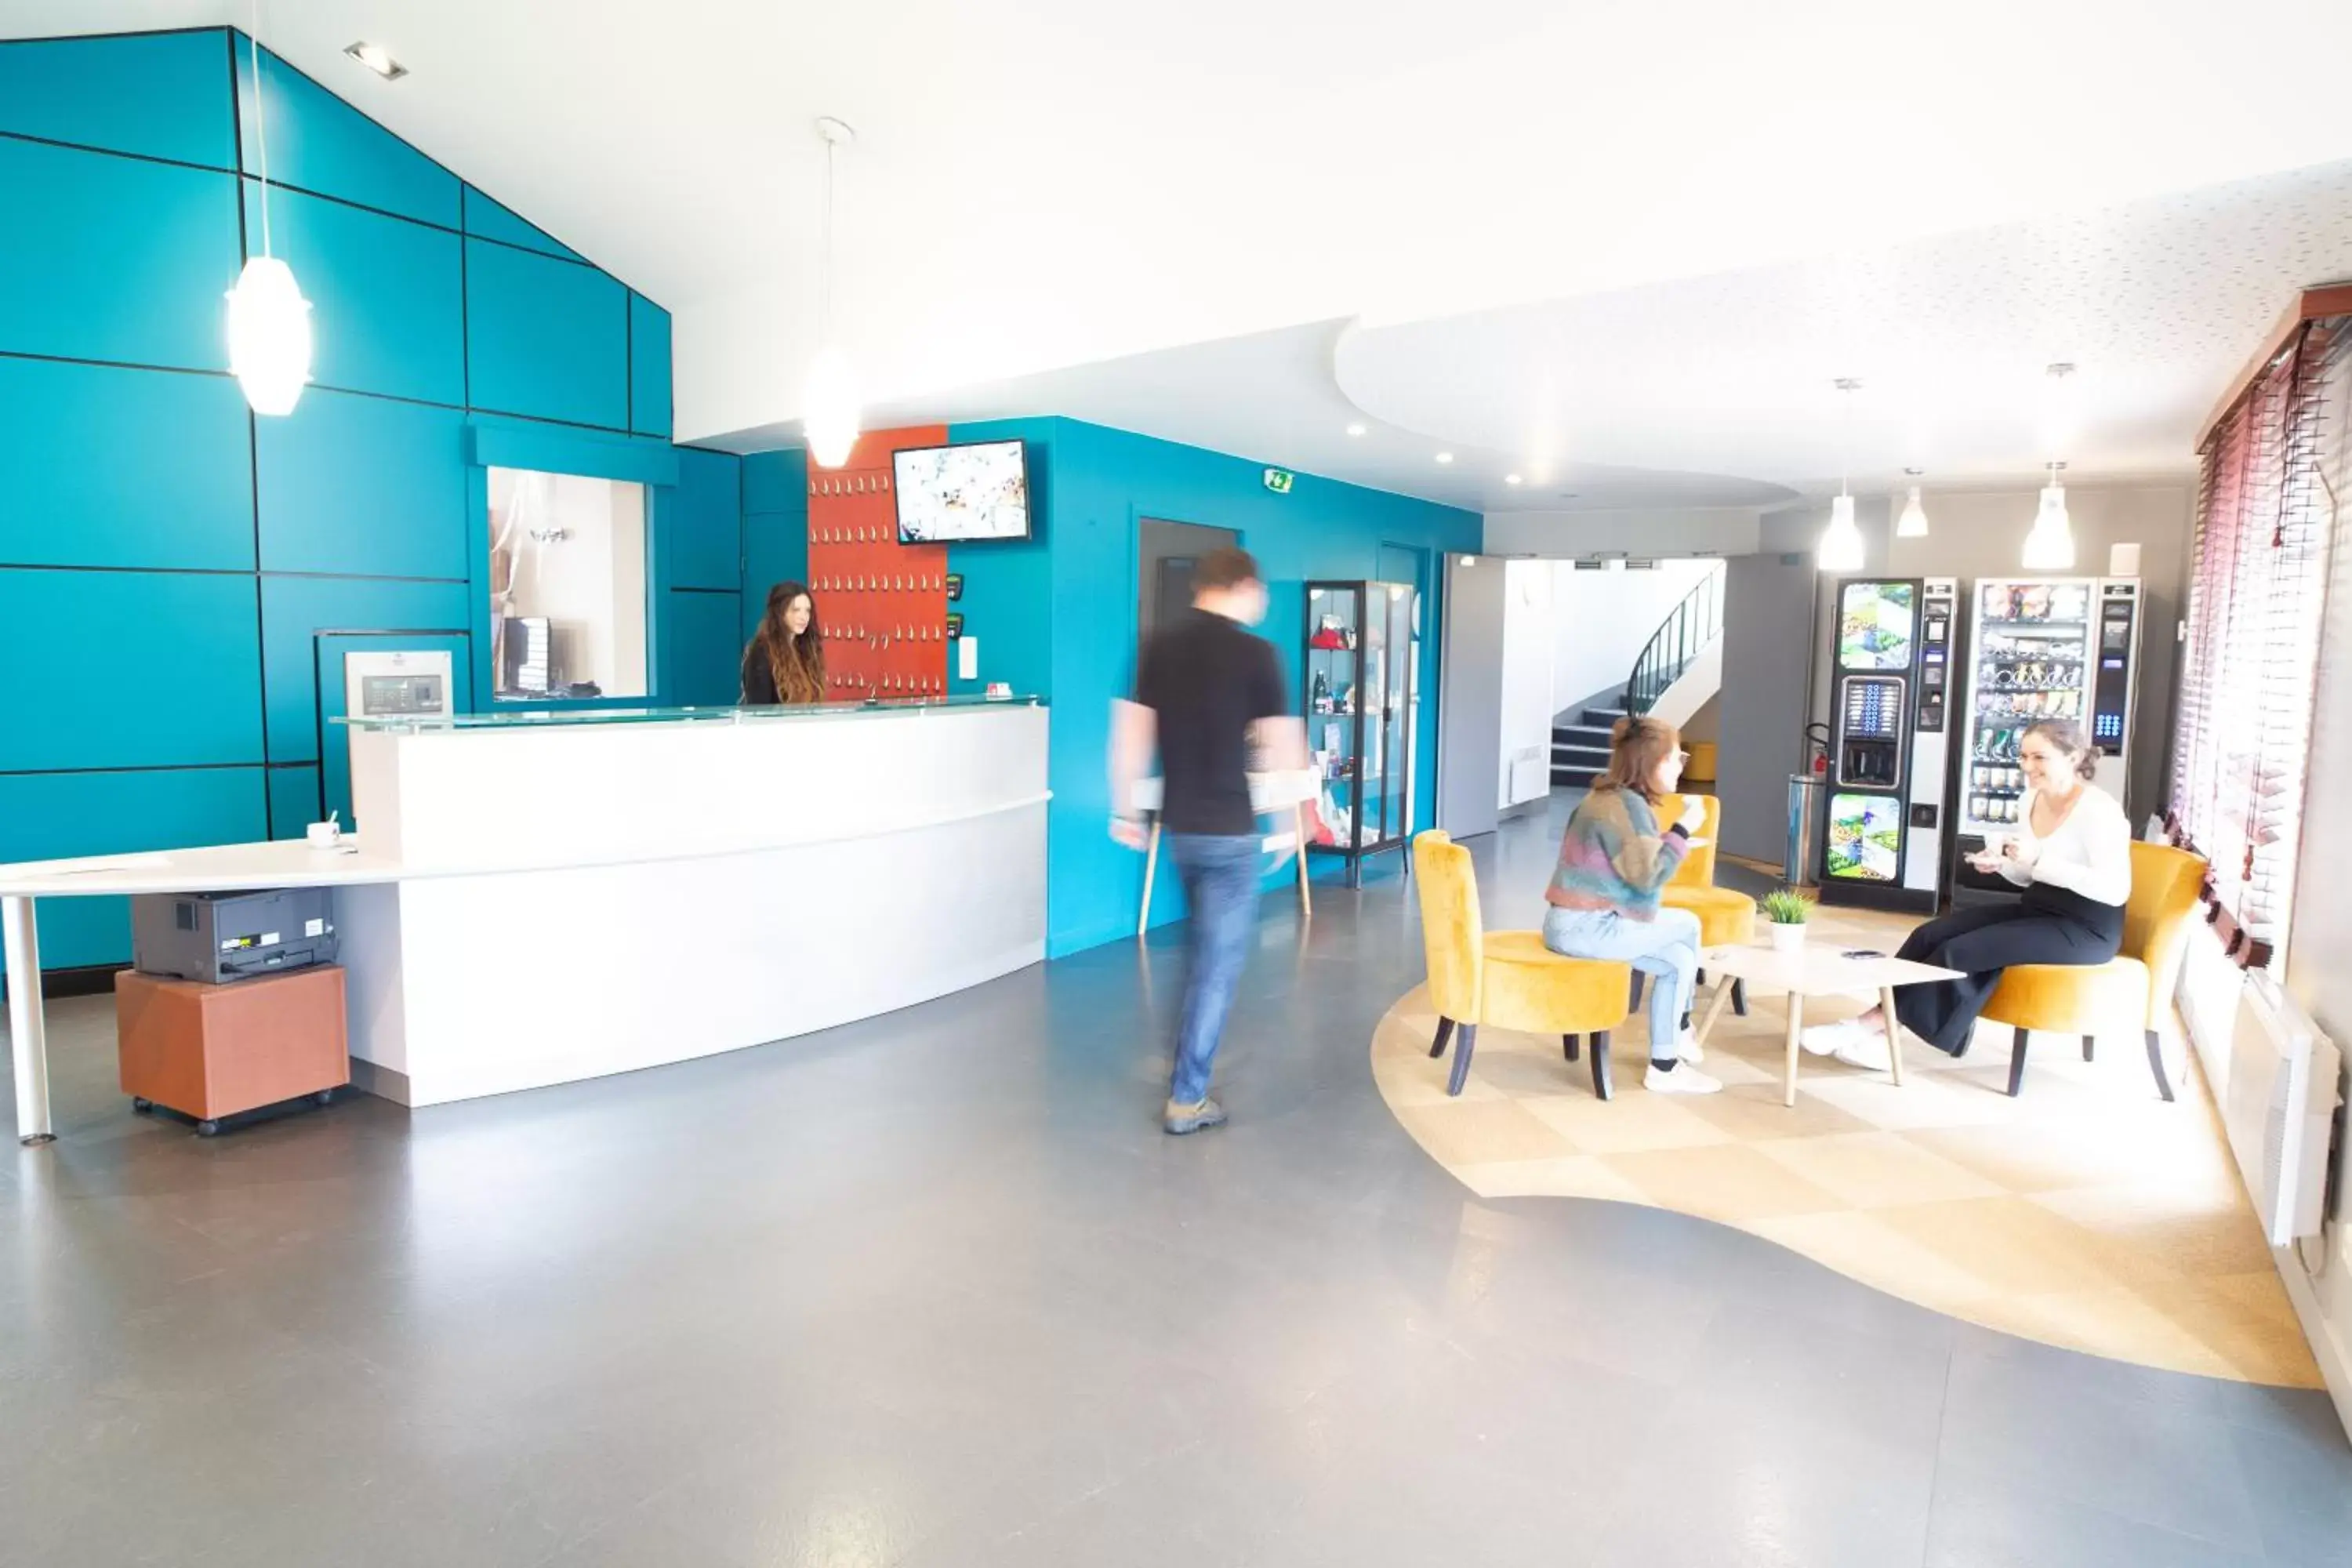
784 662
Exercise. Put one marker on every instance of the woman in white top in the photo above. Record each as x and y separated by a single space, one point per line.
2072 858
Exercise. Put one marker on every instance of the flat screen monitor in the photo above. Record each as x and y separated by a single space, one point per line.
952 494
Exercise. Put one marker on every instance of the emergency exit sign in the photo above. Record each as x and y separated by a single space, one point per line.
1278 480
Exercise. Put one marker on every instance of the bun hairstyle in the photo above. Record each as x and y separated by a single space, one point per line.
1636 746
2066 735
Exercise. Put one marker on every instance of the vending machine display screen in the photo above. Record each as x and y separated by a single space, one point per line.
1876 624
1866 837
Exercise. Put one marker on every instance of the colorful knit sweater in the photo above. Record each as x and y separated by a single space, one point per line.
1613 856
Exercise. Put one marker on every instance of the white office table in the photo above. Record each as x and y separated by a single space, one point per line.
1813 971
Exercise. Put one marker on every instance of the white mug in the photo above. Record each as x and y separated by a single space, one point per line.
324 835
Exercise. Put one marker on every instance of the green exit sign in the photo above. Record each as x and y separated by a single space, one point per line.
1278 480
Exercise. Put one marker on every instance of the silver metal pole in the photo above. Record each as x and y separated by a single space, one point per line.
28 1040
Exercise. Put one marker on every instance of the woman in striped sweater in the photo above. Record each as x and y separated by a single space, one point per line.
1614 859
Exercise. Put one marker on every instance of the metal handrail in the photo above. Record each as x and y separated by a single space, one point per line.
1681 637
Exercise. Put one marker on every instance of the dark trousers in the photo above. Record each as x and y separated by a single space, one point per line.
2049 925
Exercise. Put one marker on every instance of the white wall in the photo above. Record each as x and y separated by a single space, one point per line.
1601 621
1528 687
1658 531
590 584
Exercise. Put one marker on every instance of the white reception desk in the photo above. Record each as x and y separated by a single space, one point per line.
535 898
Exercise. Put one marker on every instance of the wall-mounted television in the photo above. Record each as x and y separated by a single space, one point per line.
952 494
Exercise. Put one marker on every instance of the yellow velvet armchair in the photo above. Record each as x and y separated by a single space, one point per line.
2133 990
1726 918
1506 978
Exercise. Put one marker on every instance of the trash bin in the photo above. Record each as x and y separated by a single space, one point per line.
1700 769
1804 816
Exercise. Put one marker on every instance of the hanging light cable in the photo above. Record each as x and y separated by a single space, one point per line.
2050 544
270 344
1840 547
829 413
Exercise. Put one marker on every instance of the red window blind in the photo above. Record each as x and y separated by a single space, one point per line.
2256 598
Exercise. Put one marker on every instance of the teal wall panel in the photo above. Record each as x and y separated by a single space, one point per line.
706 651
129 670
776 482
1008 585
704 520
52 816
101 466
115 258
319 142
649 367
295 610
776 528
546 338
388 297
293 801
160 95
492 221
364 487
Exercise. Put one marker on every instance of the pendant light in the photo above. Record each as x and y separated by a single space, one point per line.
1840 547
2049 546
268 321
1912 524
829 412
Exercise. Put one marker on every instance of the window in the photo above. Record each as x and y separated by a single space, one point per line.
567 586
2265 511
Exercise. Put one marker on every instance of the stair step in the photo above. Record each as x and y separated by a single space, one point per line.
1601 719
1573 778
1579 756
1580 735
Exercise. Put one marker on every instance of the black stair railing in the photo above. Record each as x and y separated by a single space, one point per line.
1688 627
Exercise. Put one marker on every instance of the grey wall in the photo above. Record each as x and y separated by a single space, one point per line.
1760 712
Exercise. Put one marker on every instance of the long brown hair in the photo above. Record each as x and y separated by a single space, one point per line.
796 662
1637 744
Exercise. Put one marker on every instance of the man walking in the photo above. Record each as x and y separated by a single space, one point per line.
1206 693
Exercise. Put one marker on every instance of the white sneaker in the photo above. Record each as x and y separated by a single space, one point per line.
1684 1080
1687 1048
1828 1039
1865 1049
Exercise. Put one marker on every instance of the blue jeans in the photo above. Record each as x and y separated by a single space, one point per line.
1666 947
1220 886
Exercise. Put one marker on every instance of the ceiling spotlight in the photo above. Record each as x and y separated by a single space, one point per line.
1355 429
1444 457
1513 479
377 59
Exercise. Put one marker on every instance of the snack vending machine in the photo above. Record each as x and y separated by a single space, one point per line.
2062 647
1882 843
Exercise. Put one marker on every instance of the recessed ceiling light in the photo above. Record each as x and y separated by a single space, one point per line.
1444 457
1513 479
1355 429
377 59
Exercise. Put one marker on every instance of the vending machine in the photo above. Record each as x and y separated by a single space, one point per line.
1882 839
2052 647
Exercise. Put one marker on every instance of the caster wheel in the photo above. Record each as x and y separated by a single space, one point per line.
207 1129
323 1097
141 1106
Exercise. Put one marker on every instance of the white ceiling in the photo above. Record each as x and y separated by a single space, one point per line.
1043 185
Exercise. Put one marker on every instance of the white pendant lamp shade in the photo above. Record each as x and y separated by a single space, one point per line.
829 406
1912 524
1841 546
270 335
2050 547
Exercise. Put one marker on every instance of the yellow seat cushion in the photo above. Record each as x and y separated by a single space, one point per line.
1726 918
2072 999
1536 991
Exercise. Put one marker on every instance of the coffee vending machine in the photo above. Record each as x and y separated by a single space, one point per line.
1883 834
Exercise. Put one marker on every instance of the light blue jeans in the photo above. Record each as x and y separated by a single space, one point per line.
1666 947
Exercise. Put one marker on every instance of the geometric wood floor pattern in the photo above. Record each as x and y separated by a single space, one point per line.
2086 1213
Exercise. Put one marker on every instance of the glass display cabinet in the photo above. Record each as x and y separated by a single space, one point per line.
1361 677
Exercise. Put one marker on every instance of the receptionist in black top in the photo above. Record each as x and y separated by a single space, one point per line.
786 660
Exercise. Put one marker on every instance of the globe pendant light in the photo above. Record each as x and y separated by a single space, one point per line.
829 413
2050 545
1840 547
1912 524
269 342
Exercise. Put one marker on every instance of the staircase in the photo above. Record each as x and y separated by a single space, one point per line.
1579 750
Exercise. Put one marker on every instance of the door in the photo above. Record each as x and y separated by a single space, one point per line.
1470 706
335 742
1166 555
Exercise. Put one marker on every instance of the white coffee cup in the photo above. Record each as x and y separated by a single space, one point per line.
324 835
1996 844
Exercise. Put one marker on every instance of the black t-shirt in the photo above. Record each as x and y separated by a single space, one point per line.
1208 681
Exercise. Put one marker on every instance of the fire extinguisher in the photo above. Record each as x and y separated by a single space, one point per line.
1817 748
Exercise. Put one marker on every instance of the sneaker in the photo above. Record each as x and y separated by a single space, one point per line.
1687 1048
1182 1119
1684 1080
1865 1049
1828 1039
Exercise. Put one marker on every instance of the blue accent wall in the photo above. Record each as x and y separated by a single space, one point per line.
173 569
775 528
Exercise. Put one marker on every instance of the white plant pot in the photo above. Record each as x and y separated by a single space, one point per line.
1787 938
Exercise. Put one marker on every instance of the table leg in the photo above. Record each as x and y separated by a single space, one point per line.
27 1031
1796 1027
1893 1033
1298 827
1714 1008
1150 869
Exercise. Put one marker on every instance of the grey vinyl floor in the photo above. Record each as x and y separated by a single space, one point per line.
934 1289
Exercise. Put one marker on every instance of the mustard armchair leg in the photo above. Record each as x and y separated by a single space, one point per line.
1444 1033
1739 997
1635 1006
2017 1062
1568 1046
1601 1088
2090 1045
1466 1041
2156 1065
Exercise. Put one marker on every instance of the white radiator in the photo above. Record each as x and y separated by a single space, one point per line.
2278 1102
1531 773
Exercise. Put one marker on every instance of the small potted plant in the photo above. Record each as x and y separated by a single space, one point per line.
1786 910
